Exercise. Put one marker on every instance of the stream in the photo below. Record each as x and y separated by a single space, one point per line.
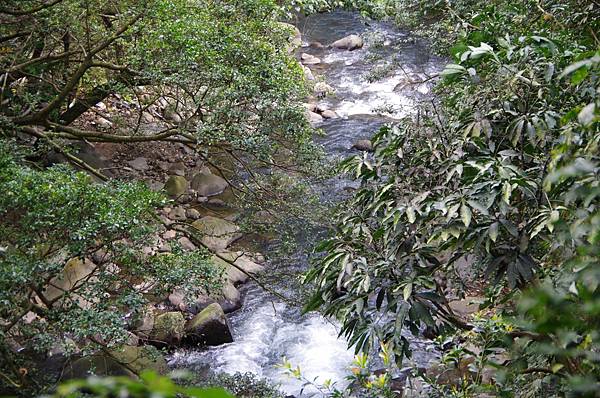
373 85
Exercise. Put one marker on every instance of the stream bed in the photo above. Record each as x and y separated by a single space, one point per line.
373 85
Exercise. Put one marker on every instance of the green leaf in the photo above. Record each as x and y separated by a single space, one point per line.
493 231
506 192
579 75
410 214
465 214
453 69
587 115
407 291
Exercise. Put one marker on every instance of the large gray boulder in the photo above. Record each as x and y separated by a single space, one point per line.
351 42
245 265
139 164
207 184
208 327
231 299
216 233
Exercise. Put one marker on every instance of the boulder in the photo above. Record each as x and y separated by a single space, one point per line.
139 164
103 124
217 233
163 247
125 361
200 303
328 114
168 328
466 307
351 42
209 327
308 59
308 73
246 266
177 214
169 234
176 186
192 214
99 365
207 184
363 145
141 358
75 270
310 107
322 89
177 168
186 244
313 117
231 298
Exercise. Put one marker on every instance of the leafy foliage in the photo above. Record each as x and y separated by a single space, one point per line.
500 184
363 382
72 266
220 72
150 385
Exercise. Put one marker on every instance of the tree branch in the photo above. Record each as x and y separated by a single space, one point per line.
31 10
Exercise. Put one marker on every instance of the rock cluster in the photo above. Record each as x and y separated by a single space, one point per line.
199 200
316 114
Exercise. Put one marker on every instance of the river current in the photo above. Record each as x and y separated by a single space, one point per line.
373 85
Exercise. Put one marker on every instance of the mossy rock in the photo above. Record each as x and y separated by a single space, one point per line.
176 186
209 327
168 328
99 365
138 359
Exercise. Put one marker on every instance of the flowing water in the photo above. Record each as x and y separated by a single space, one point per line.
266 329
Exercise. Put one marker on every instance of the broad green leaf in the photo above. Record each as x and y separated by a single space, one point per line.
410 214
465 214
407 291
493 231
